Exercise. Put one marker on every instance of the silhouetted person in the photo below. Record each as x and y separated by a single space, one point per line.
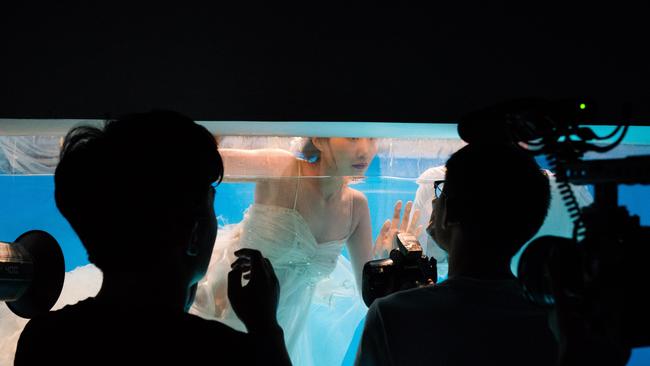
493 201
139 193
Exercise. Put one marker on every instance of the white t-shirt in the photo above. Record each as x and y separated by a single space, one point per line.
462 321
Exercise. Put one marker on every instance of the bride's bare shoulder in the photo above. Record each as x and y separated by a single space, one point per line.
359 199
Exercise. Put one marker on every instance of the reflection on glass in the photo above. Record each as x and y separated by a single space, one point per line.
314 206
303 213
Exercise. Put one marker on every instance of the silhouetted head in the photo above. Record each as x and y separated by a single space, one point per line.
140 187
498 196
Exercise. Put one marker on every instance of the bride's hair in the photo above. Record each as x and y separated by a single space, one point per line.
305 149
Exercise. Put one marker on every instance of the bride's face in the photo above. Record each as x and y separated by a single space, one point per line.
344 156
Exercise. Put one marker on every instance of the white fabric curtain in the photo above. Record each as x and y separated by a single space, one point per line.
29 154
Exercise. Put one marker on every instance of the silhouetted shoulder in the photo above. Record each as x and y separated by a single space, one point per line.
133 337
445 321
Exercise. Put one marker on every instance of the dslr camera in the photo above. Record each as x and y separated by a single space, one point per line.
407 267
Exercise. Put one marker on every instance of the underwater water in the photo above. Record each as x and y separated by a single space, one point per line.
28 203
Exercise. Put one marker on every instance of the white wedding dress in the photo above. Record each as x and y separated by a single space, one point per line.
319 307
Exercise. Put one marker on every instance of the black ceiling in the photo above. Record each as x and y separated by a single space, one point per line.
379 63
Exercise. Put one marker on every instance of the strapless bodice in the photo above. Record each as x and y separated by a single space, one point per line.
283 236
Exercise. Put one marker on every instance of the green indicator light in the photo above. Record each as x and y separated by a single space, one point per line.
583 106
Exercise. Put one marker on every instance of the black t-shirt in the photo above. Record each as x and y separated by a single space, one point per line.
462 321
89 333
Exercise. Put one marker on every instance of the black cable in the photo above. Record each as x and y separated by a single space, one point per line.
618 128
569 198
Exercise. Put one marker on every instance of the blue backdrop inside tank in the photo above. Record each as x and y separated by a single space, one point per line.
28 203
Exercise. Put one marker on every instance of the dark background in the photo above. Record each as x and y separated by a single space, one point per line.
375 63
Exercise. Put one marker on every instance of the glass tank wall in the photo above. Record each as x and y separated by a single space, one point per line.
380 163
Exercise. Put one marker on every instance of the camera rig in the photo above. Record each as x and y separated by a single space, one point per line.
598 273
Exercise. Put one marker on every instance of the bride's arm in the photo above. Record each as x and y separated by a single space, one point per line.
246 165
360 242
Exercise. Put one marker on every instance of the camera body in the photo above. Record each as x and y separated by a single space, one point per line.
407 267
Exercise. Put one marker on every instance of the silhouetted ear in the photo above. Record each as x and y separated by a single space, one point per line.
451 212
192 249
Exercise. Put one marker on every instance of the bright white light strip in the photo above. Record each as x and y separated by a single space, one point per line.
336 129
32 127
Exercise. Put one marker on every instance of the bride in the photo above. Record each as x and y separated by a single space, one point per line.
304 213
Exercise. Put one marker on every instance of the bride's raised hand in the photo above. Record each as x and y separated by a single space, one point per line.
385 241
